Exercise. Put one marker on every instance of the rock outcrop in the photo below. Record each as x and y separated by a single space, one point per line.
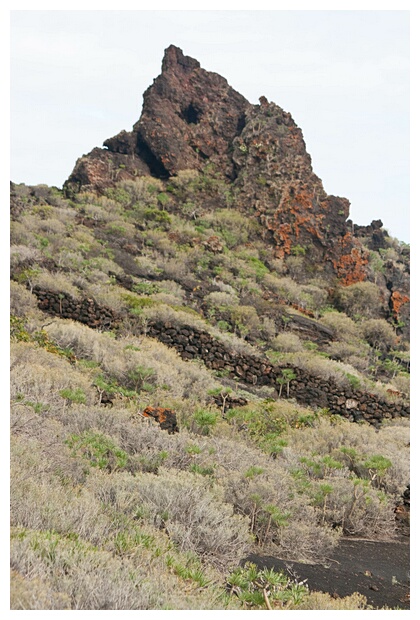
166 418
190 117
275 180
193 119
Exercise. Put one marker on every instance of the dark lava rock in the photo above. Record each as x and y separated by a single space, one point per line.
166 418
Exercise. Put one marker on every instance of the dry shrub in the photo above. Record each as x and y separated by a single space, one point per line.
52 226
378 333
88 577
282 522
172 288
56 282
246 319
322 600
22 255
268 328
184 178
119 357
306 540
362 299
174 268
327 438
105 212
35 593
103 293
220 298
402 383
278 266
143 189
344 328
22 302
286 288
40 500
329 463
39 376
165 298
359 509
287 342
325 368
355 355
190 509
146 267
159 244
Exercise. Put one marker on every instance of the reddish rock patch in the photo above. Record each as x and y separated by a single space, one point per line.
166 418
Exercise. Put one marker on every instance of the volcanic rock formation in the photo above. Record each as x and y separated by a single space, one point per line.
193 119
190 117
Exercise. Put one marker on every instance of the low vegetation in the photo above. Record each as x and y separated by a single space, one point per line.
108 511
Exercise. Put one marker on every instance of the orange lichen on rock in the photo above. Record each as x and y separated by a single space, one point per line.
283 239
165 417
351 266
398 300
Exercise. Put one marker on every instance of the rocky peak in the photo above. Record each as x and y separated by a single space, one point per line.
192 118
174 60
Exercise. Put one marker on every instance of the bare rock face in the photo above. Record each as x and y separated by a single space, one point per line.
190 117
276 180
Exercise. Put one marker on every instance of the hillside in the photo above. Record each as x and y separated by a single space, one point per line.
208 359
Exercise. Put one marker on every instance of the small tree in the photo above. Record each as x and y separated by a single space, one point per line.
377 466
138 378
287 375
224 393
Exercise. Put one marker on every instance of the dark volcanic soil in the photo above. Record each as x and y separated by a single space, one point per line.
378 570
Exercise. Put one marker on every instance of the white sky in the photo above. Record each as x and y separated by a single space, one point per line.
77 78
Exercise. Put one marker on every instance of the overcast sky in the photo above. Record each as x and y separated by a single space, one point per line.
78 77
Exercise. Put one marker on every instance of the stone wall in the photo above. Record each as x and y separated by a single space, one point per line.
308 389
83 310
192 343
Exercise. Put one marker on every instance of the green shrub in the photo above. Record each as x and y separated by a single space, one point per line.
98 449
265 588
205 420
75 395
157 215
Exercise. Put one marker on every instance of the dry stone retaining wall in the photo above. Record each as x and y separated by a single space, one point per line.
308 389
83 310
191 343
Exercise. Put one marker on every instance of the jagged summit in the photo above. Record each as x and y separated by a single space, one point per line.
190 117
193 119
174 58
